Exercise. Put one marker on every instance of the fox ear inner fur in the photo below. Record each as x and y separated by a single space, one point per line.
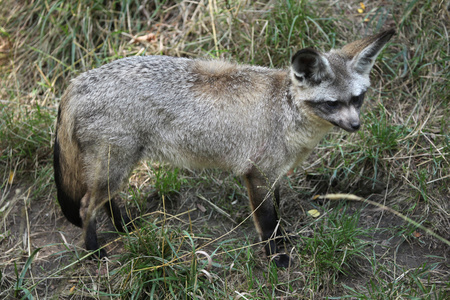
311 67
365 51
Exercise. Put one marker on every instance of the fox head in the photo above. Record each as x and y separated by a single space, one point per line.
332 85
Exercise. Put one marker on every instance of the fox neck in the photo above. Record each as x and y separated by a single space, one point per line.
312 128
309 127
305 132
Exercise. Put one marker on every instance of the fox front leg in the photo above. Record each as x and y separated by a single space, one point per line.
264 203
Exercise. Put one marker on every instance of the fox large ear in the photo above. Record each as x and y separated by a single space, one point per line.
310 67
364 52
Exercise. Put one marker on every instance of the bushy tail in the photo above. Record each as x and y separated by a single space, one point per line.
70 189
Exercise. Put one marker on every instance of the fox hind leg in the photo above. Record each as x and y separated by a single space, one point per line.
90 224
101 191
87 213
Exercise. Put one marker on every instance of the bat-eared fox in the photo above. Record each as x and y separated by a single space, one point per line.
253 121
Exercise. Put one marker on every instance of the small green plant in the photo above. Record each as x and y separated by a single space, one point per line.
162 261
166 180
336 247
24 135
20 289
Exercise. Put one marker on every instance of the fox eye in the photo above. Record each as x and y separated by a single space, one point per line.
357 100
332 104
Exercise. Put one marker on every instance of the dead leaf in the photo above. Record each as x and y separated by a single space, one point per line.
148 38
314 213
201 207
417 234
11 177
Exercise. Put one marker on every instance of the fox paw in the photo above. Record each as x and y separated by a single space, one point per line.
281 260
98 254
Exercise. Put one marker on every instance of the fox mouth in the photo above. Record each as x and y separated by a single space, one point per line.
351 130
347 128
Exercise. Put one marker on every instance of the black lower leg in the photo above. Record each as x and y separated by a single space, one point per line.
90 239
272 234
265 204
117 217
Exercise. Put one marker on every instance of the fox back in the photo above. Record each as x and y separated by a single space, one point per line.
253 121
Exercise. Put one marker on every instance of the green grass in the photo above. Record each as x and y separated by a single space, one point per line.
337 241
162 261
400 158
410 284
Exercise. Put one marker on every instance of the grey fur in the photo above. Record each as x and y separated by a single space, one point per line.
253 121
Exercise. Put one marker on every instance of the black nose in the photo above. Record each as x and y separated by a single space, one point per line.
356 125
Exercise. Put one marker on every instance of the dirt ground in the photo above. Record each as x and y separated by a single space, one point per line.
39 224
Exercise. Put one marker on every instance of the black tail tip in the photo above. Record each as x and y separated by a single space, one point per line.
70 207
